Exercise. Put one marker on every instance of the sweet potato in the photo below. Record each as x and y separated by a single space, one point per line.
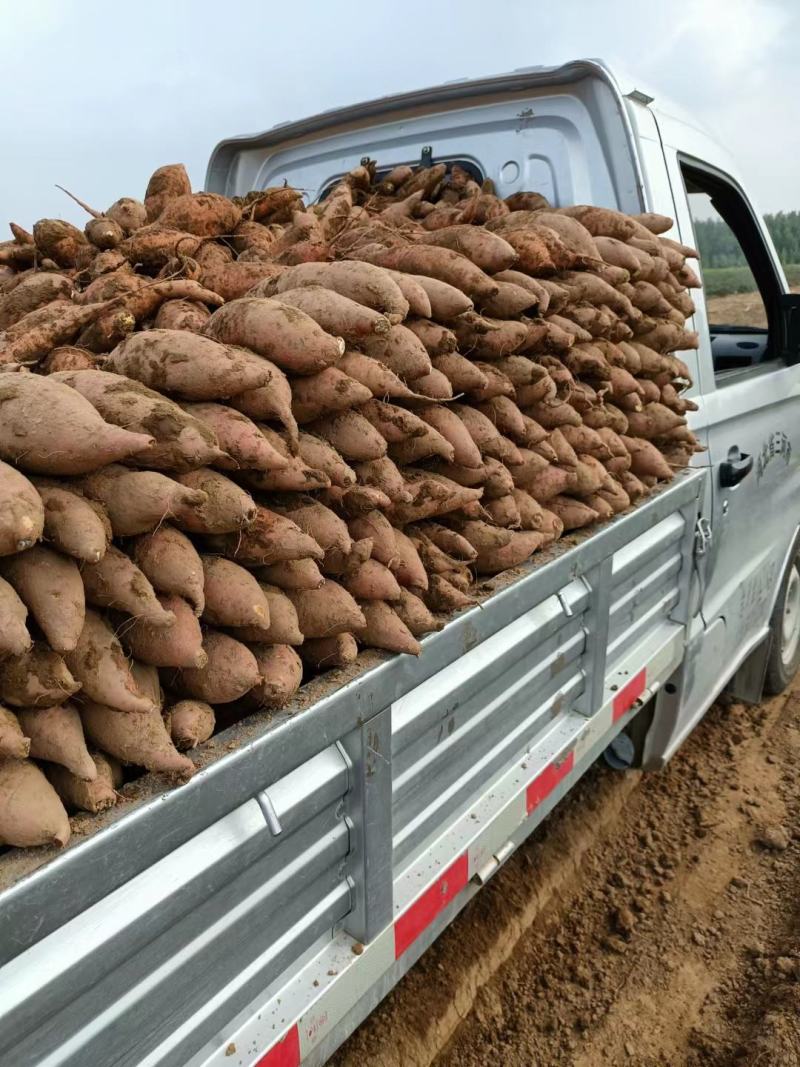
506 416
182 442
383 628
296 474
326 611
336 314
486 250
270 538
485 435
34 291
646 460
324 393
655 420
405 563
613 494
434 385
574 514
446 598
280 332
281 674
50 586
504 511
351 435
372 581
374 526
373 374
128 213
318 522
138 501
446 301
447 423
37 678
232 595
223 507
384 475
293 574
437 340
361 282
484 338
13 742
99 664
190 723
165 184
520 546
56 735
463 375
180 644
433 262
282 627
419 301
141 740
402 352
323 653
554 415
317 454
31 813
230 671
511 300
449 541
414 614
243 444
192 367
59 241
204 214
48 428
182 315
170 561
14 636
433 494
93 796
552 481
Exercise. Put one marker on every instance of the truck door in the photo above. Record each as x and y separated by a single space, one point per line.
750 412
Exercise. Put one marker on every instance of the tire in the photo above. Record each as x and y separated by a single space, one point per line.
784 655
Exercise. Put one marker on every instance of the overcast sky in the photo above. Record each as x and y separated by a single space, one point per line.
97 94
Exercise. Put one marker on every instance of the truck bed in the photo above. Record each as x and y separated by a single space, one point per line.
257 913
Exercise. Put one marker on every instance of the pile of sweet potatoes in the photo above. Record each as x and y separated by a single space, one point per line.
241 438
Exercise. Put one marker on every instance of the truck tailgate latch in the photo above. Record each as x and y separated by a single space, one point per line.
703 537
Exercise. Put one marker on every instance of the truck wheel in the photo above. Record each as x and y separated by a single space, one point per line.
784 656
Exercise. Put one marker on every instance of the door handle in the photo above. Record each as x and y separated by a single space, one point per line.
734 469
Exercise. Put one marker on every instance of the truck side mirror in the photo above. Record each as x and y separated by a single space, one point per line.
789 341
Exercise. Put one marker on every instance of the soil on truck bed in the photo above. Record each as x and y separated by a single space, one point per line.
652 920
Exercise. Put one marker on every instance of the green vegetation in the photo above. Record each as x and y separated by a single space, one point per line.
719 248
721 281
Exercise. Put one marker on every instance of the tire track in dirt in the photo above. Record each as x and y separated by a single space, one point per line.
651 922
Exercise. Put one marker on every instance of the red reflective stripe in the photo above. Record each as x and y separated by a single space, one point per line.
423 911
286 1053
543 784
629 694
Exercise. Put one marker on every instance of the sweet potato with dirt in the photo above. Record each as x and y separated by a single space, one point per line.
31 813
296 476
277 331
48 428
374 375
433 262
241 441
485 435
383 628
646 460
182 315
326 611
655 420
116 582
224 506
318 521
169 560
269 539
282 627
180 644
406 564
486 250
433 495
372 581
141 740
521 545
56 734
138 501
166 183
574 514
100 665
434 385
14 636
351 435
325 393
50 586
402 352
462 374
93 796
383 474
417 294
446 598
36 678
231 671
188 366
13 742
447 422
233 597
506 416
324 653
361 282
484 338
272 401
292 574
319 455
59 240
190 723
335 314
414 614
181 441
204 214
34 291
281 674
374 526
436 339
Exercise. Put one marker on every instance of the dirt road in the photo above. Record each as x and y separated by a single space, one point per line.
652 921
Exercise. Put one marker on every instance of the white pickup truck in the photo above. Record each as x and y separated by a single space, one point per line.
257 914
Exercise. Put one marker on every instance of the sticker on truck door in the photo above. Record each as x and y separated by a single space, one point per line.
776 445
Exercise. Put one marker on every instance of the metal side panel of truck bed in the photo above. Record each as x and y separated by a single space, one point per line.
258 913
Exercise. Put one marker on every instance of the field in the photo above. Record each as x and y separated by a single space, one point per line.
652 920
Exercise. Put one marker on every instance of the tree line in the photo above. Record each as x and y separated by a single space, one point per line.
719 248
